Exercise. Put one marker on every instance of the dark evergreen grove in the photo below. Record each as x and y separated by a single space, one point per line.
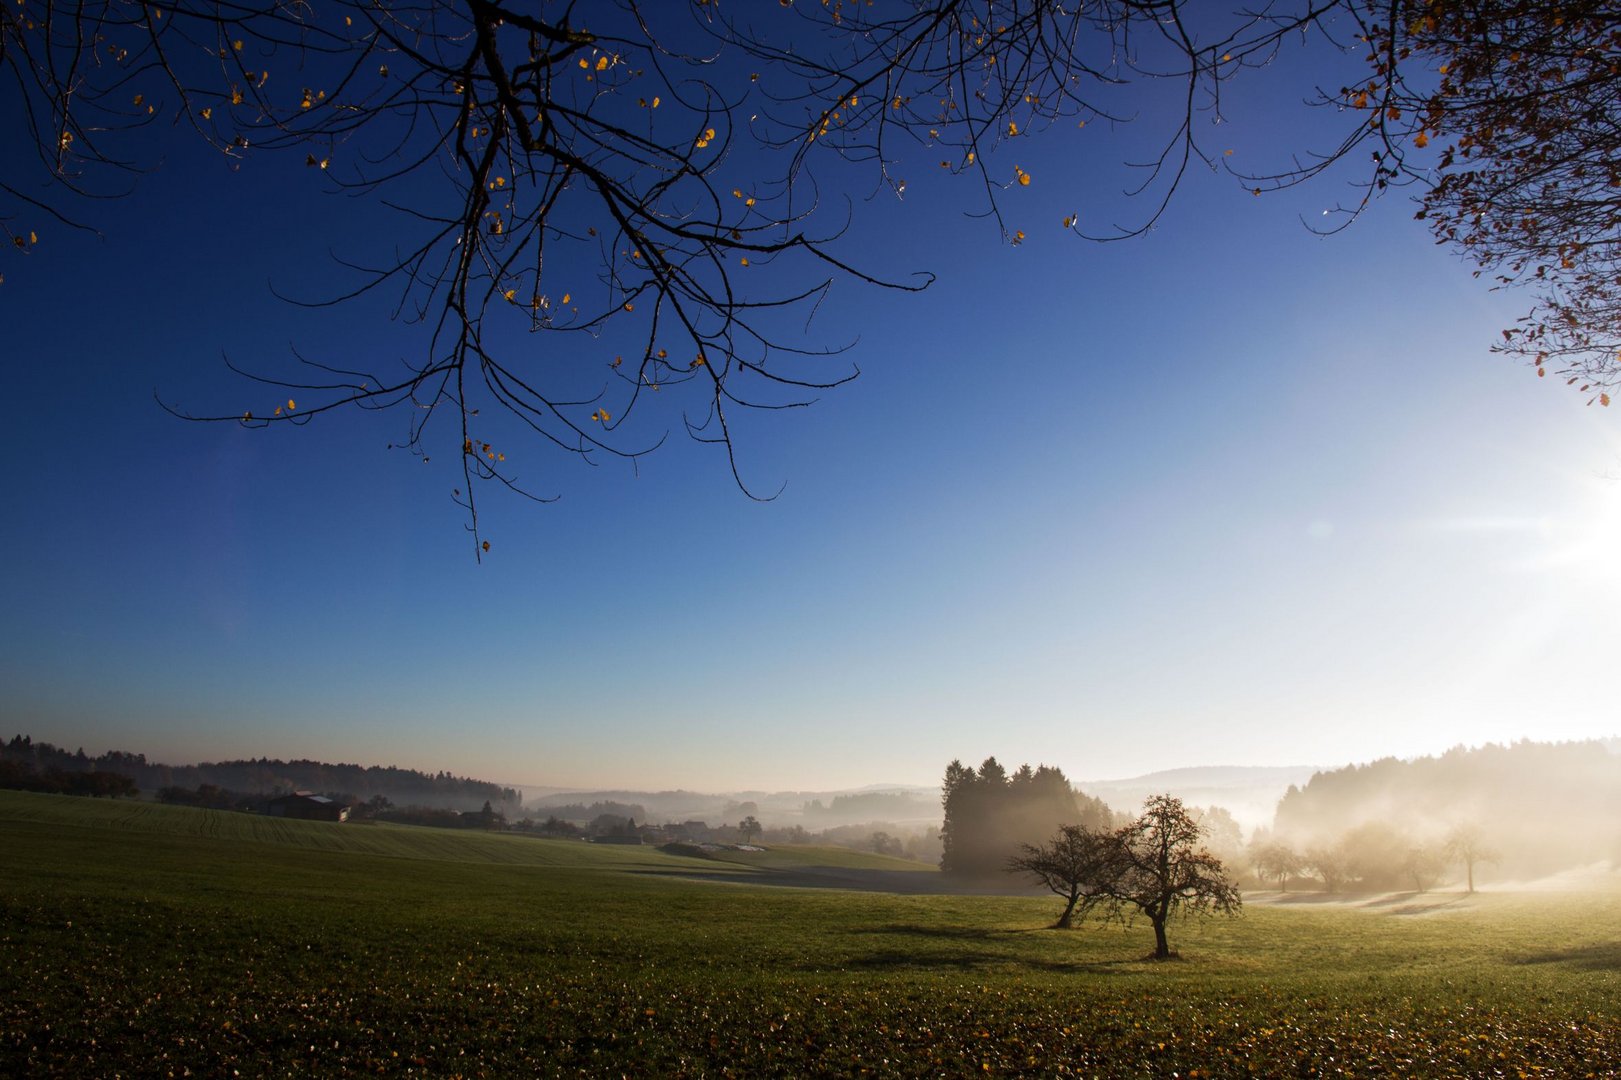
990 813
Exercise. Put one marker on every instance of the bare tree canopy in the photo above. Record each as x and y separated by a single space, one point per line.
1075 865
1155 865
609 208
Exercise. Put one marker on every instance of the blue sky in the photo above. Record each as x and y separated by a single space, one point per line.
1231 493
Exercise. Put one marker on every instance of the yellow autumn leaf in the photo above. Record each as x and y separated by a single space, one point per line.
749 201
1024 177
602 63
1012 128
585 65
291 405
509 294
744 260
486 545
1422 141
565 298
208 114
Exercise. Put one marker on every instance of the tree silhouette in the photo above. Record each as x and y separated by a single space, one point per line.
1277 861
631 191
1154 865
1077 865
1467 844
1164 870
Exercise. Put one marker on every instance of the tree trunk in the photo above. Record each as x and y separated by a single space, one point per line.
1469 868
1162 948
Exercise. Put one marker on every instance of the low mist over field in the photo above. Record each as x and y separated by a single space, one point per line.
1471 816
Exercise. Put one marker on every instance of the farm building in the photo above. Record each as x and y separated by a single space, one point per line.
307 806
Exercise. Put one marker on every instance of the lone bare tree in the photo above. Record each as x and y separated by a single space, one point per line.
1467 844
1165 870
1078 865
1424 865
1154 865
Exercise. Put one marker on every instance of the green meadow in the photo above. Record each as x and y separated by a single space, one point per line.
145 940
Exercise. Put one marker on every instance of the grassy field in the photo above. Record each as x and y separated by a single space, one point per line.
144 940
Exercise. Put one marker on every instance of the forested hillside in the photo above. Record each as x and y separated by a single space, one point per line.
266 775
1533 808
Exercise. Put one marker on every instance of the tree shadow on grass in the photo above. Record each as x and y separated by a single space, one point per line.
963 958
899 882
952 933
968 960
1604 956
1315 896
1415 903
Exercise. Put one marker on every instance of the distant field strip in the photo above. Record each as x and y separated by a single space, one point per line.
412 842
391 841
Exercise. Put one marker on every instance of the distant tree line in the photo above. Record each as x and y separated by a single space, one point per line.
866 806
1527 809
579 811
990 815
355 782
53 780
1373 857
210 797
